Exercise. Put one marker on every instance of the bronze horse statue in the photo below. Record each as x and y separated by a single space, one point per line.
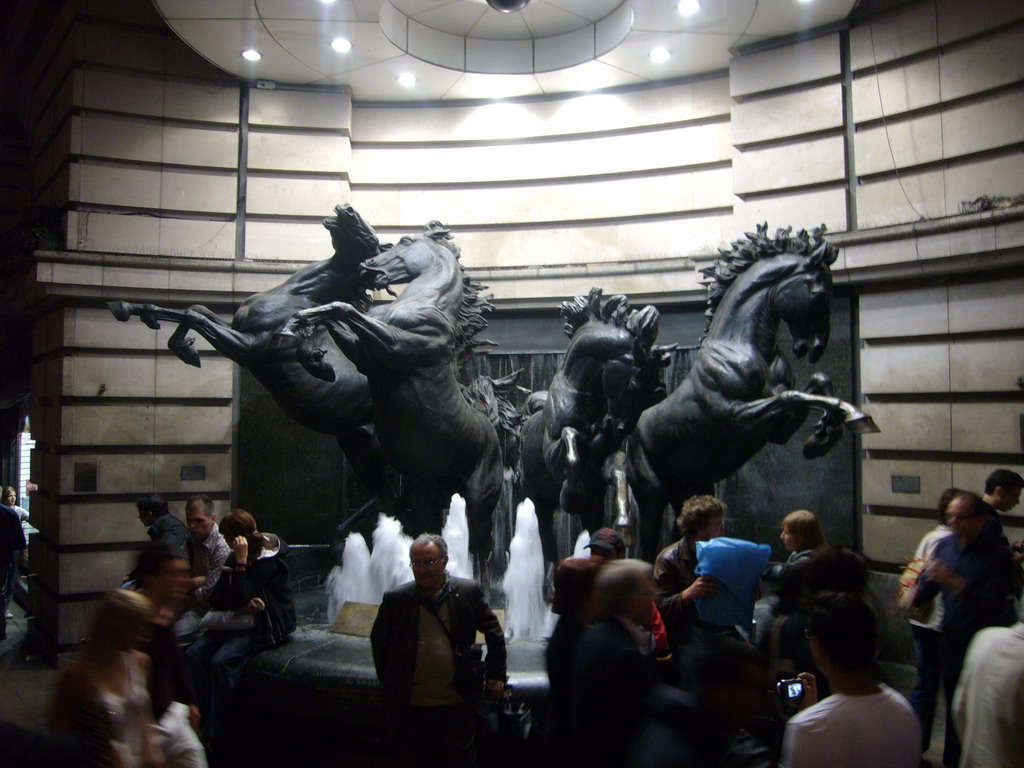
740 393
335 403
409 351
608 376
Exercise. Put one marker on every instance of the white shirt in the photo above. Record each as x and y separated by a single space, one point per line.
876 731
989 703
924 551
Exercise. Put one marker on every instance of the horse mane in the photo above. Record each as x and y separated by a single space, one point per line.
758 246
469 320
642 324
580 310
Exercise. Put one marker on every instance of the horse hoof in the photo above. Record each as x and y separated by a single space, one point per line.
119 309
820 443
187 353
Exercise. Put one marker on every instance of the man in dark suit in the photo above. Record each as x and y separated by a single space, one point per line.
613 668
421 630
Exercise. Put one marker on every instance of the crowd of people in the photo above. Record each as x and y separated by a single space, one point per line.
639 677
153 683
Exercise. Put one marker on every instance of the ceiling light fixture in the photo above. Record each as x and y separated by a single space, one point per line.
341 45
660 55
508 6
688 7
251 54
407 79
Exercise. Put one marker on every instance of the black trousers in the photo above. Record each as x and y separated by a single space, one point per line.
436 736
952 651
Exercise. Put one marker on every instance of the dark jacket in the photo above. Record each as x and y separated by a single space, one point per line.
610 680
396 631
986 567
791 577
673 572
267 579
12 537
170 529
558 655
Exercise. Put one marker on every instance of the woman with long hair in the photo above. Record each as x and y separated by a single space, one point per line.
101 693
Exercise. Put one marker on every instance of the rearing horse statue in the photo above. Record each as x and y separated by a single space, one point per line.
608 376
409 350
739 393
338 401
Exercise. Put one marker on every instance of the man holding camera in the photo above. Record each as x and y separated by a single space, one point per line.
863 724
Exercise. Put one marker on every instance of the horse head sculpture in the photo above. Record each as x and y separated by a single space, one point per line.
795 271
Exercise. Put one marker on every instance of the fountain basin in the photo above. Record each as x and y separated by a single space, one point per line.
316 701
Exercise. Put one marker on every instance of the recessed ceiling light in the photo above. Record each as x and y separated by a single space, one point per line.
660 55
688 7
327 2
407 79
251 55
341 45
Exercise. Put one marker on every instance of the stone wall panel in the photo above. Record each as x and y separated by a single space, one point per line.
935 477
788 114
790 65
905 368
909 426
908 312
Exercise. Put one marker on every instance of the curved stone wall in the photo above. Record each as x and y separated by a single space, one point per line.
179 184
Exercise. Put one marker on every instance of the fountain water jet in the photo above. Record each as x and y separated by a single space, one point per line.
526 613
456 535
351 581
580 550
364 577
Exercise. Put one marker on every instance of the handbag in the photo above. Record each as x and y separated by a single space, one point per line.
469 672
236 620
910 576
272 626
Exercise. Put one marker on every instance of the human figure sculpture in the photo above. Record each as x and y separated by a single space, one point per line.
608 376
409 350
337 402
739 393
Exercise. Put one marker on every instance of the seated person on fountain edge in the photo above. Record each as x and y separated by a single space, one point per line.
802 536
207 552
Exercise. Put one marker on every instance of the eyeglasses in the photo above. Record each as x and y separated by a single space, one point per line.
423 563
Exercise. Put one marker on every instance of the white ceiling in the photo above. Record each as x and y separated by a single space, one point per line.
294 36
